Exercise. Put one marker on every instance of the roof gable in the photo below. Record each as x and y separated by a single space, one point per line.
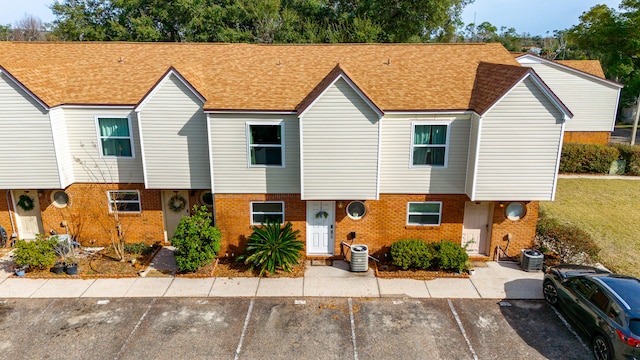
495 81
44 105
163 79
332 77
589 68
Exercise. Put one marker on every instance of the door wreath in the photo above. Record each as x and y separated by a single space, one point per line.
177 203
25 202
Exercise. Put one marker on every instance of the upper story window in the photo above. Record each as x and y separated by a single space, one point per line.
115 136
429 144
266 144
424 213
124 201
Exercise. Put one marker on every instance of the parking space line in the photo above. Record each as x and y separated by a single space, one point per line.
564 321
153 301
244 328
353 330
464 333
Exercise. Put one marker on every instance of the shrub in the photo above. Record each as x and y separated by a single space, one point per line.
450 256
411 254
631 155
571 243
587 158
138 248
272 247
197 242
38 253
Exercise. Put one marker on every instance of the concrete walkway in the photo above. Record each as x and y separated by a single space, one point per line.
503 280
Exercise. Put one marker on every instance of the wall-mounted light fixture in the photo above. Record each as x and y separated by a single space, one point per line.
340 204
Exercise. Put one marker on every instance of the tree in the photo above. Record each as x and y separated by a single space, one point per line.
6 34
29 28
614 38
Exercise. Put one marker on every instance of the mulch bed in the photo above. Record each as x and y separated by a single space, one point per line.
390 271
228 267
99 264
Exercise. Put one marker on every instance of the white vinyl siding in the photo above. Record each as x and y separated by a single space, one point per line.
340 146
230 157
88 166
61 142
398 176
473 143
28 157
174 138
519 142
593 103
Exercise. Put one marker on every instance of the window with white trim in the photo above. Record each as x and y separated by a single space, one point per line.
115 136
266 144
124 201
263 212
429 144
424 213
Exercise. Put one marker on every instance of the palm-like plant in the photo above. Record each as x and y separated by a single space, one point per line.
272 247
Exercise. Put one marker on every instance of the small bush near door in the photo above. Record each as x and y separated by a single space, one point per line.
197 242
450 256
411 254
38 254
272 247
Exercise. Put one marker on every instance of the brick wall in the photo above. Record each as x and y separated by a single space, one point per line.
587 137
522 231
87 214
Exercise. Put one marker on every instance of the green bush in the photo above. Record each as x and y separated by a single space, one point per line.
587 158
138 248
570 242
38 253
197 242
272 247
631 155
411 254
450 256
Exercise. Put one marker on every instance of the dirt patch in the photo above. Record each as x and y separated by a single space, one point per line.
229 267
390 271
100 264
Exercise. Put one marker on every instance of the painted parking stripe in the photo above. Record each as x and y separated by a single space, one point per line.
564 321
464 333
244 329
153 301
353 330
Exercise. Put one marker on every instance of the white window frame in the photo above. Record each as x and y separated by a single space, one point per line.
424 213
251 212
446 145
112 202
100 137
249 145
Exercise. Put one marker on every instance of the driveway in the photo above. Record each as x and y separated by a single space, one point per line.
284 328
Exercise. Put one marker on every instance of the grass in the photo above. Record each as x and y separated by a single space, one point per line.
607 209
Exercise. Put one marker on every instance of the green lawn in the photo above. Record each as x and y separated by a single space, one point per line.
610 211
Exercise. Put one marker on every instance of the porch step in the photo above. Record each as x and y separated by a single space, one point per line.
321 262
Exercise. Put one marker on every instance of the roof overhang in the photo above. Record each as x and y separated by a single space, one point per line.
40 102
170 72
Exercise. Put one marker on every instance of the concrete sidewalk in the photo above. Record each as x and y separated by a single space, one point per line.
503 280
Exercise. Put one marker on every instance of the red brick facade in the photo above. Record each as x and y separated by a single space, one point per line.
587 137
384 222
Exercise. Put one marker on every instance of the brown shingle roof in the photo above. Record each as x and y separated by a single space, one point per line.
492 82
398 77
589 66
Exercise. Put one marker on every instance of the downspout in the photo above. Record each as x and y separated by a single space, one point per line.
13 228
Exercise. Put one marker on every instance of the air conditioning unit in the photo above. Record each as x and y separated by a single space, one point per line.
531 260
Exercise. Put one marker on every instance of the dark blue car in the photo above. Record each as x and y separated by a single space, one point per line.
605 306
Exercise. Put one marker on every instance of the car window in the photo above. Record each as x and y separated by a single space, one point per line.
599 299
581 286
634 325
614 313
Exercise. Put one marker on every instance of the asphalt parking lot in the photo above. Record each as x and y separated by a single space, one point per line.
283 328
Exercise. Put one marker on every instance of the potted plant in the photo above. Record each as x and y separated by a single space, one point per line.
20 270
66 254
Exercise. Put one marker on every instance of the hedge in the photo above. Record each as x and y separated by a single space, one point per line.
587 158
631 155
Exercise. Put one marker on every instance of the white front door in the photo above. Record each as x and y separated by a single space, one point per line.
475 228
171 201
29 221
320 226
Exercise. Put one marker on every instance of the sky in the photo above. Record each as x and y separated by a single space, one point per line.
536 17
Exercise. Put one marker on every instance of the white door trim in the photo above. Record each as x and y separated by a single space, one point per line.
477 227
169 216
30 216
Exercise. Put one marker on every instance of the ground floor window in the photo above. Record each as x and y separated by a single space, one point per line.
263 212
424 213
124 201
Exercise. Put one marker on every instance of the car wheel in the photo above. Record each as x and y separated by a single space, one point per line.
601 348
550 292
